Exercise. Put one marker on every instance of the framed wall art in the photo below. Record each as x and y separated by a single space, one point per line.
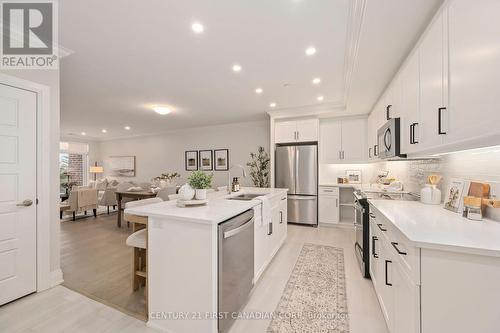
191 160
122 166
221 159
206 162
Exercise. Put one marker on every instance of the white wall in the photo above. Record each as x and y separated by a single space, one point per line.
164 153
49 78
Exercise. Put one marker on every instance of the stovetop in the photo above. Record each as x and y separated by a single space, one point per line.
385 195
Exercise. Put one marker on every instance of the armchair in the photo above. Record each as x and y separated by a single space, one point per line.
82 200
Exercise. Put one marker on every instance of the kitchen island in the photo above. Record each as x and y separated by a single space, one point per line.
183 291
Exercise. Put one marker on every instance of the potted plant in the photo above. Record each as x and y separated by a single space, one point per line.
200 181
259 167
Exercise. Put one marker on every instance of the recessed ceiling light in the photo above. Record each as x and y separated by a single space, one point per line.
83 133
259 90
316 80
310 51
163 110
272 105
104 131
127 128
236 68
197 27
320 98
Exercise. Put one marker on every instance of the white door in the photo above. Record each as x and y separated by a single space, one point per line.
285 131
17 184
354 140
307 130
432 85
330 142
474 65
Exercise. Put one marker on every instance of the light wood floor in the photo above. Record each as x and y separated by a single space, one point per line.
61 310
96 262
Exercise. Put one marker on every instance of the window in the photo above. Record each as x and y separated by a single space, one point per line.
73 163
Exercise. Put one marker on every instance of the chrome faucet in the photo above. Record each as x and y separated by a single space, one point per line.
229 176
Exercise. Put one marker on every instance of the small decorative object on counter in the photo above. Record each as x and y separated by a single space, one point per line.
353 176
473 208
165 179
200 181
340 180
453 197
430 194
186 192
235 186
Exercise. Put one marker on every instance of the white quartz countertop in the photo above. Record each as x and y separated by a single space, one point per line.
432 226
217 210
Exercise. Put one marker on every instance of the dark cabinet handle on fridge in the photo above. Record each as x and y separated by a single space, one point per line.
374 254
387 282
440 121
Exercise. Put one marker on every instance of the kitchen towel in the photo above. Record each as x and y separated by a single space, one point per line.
265 209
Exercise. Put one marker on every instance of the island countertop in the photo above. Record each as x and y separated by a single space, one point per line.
218 209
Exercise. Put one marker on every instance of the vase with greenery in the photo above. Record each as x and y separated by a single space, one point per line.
259 167
165 179
200 181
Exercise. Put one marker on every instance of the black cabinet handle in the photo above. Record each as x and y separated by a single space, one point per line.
395 245
388 112
414 140
440 125
375 150
270 230
372 215
374 254
281 217
411 134
380 227
370 152
386 282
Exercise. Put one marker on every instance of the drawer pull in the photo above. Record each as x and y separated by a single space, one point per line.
386 282
372 215
395 245
374 238
380 227
281 217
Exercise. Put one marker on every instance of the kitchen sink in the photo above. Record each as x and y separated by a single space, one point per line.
245 196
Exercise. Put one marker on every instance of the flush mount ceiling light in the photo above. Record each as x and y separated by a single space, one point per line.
236 68
197 27
127 128
83 133
316 81
104 131
272 105
319 98
163 110
310 51
259 90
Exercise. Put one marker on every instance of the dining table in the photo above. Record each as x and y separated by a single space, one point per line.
136 195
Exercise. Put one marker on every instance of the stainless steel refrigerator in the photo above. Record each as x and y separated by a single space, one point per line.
297 170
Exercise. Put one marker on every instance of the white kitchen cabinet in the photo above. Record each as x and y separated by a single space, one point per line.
433 85
406 301
328 205
304 130
343 140
474 64
410 99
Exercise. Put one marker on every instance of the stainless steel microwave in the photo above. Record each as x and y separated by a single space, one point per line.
389 139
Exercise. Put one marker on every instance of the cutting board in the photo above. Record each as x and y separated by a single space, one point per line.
480 190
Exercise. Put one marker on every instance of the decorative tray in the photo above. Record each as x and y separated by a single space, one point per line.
188 203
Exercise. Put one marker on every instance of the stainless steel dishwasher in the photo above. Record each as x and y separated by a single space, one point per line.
236 260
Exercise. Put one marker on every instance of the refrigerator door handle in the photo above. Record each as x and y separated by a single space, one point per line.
296 161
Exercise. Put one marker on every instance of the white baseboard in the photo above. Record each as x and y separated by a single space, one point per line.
56 278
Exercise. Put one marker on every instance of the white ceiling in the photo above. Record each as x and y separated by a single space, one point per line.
130 55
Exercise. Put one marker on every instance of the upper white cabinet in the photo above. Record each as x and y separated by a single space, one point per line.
474 63
304 130
342 141
410 92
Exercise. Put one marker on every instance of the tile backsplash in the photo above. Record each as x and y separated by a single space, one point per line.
479 164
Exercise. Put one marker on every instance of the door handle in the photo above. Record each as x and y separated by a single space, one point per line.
281 217
374 254
386 282
411 133
375 150
413 140
440 125
395 245
25 203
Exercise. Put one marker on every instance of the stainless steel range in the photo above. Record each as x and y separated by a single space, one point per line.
362 222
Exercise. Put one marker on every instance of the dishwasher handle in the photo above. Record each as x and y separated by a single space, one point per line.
241 228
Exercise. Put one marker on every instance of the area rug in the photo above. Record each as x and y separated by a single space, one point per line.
314 299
